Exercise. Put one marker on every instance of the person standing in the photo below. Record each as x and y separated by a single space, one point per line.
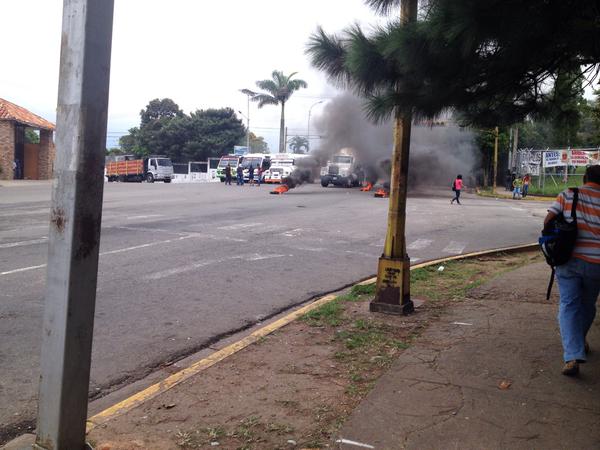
228 175
240 176
251 175
526 181
579 278
517 185
259 172
456 187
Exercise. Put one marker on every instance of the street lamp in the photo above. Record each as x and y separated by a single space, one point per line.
247 117
249 94
308 127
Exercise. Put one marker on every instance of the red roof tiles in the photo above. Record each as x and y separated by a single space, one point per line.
10 111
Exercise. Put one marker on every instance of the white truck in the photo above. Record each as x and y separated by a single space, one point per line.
342 170
284 164
129 168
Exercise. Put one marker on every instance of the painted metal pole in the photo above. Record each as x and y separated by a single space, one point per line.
495 181
308 126
248 119
393 272
75 216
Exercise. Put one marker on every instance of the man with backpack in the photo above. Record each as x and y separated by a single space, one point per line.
579 277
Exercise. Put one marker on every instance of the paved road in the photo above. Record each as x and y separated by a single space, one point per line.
182 264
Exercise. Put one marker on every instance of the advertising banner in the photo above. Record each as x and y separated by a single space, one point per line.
578 158
555 158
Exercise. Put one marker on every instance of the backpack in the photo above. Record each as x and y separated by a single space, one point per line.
558 239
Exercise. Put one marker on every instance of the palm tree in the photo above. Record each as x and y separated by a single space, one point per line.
299 144
364 64
278 89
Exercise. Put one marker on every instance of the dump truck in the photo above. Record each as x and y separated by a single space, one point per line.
149 169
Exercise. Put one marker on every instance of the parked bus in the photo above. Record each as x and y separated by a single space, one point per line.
233 161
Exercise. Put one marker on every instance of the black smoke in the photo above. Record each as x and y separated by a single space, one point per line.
438 150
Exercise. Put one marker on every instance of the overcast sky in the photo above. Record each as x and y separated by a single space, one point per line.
198 53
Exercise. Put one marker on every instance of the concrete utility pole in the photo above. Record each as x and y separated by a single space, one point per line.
495 174
393 272
515 143
75 217
308 126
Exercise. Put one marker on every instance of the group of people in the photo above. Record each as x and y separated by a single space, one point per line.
519 185
240 175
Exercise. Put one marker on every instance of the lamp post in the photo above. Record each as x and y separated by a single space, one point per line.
249 94
247 117
308 127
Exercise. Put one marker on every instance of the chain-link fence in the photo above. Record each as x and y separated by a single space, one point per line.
552 170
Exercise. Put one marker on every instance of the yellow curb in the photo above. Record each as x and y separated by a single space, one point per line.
197 367
184 374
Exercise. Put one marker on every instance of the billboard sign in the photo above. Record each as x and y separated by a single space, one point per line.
240 150
555 158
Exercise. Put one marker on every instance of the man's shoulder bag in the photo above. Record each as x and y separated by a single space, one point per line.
558 239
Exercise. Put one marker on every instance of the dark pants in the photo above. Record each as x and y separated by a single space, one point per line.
228 179
456 196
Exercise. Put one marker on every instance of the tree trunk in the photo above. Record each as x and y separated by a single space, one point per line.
282 129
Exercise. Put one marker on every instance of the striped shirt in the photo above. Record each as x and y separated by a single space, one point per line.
587 246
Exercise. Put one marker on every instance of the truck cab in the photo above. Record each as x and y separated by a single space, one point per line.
255 160
158 168
232 160
341 170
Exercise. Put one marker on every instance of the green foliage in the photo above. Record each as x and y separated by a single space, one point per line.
328 314
487 59
298 144
257 143
166 130
31 137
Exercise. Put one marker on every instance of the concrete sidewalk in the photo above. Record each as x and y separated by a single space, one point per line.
486 376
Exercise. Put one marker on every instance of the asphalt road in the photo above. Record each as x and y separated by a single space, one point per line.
182 264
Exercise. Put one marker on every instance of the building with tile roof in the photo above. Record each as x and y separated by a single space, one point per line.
20 159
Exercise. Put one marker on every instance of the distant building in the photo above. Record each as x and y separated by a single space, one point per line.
33 161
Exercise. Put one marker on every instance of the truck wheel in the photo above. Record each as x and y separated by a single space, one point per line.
222 180
149 178
167 180
324 183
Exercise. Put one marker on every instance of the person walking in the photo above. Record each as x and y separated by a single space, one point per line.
579 278
240 176
456 187
251 175
526 181
228 175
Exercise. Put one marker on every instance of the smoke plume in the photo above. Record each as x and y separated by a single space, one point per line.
438 151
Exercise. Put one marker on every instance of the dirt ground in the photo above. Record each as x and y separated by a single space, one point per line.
295 388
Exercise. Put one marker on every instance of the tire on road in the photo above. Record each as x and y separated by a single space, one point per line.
149 178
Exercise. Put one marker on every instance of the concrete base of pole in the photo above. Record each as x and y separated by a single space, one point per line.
393 287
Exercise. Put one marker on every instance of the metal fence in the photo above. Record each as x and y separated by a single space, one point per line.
553 170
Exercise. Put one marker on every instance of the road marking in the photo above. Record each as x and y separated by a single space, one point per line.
110 252
177 378
292 233
22 269
24 243
462 323
420 244
368 255
149 216
191 267
240 226
455 248
414 260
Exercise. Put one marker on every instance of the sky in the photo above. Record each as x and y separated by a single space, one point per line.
196 52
